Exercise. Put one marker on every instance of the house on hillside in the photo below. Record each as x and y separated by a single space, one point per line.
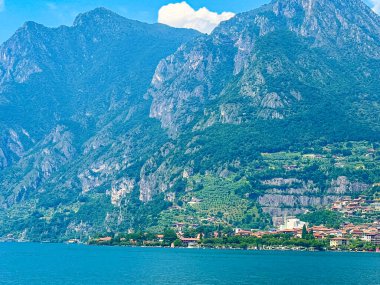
376 240
190 242
160 237
373 238
243 233
337 242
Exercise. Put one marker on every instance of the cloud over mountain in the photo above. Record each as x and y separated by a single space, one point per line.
182 15
376 6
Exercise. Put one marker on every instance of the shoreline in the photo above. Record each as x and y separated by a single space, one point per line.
234 249
190 248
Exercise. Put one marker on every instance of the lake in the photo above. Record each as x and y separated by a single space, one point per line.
31 264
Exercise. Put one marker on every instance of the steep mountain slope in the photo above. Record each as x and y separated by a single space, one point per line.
113 124
95 67
274 61
291 75
60 87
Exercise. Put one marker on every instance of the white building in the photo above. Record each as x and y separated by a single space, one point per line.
291 223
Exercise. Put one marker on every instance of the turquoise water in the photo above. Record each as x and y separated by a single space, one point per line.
75 264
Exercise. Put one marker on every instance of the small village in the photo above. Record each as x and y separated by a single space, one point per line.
293 234
360 206
368 233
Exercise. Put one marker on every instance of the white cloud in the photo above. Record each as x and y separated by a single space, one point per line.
182 15
2 5
376 6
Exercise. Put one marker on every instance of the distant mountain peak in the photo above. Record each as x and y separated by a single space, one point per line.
97 16
31 28
31 25
333 24
310 5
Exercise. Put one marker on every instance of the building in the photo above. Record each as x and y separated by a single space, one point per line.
375 206
291 223
376 240
292 232
356 233
337 242
190 242
105 239
319 235
368 237
243 233
335 233
260 234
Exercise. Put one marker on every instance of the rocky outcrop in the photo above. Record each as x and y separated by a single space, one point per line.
154 179
120 189
172 91
343 186
294 201
50 155
14 69
13 145
292 196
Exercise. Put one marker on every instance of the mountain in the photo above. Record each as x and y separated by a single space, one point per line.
64 91
273 63
85 70
116 125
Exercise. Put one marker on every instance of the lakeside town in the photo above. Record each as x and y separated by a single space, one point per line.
292 234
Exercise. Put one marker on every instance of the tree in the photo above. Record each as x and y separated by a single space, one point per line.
310 234
323 217
178 243
169 236
304 232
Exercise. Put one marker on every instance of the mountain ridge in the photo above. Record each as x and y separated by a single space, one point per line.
116 125
244 42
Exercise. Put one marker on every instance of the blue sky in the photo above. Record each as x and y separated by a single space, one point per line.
52 13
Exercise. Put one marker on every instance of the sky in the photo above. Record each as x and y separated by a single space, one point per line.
202 15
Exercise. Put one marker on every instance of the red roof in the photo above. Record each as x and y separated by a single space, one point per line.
105 239
288 231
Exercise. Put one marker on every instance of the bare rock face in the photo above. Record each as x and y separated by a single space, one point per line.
154 179
294 201
171 77
51 154
231 114
327 20
342 185
120 189
293 196
13 145
12 68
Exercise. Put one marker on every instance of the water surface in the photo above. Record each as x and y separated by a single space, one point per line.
75 264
